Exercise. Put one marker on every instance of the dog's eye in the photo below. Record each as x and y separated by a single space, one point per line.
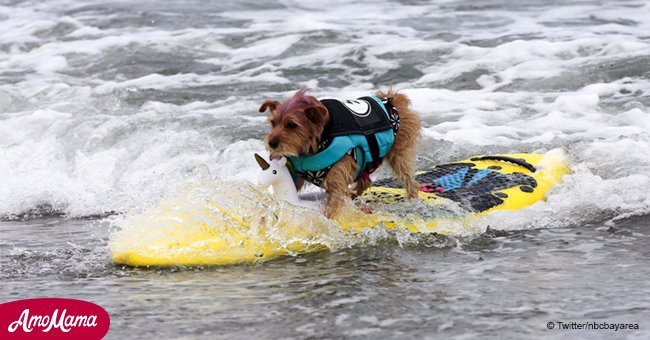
291 125
273 123
275 172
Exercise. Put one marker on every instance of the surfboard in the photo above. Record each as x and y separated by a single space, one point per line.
220 223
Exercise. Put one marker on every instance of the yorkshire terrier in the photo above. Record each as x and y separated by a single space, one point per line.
308 131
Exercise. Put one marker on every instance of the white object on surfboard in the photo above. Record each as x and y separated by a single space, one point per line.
276 174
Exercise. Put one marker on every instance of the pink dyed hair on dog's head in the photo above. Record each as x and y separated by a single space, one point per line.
299 101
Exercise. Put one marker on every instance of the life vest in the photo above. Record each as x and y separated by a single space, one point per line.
364 128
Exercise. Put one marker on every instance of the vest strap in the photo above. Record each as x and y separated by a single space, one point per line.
374 151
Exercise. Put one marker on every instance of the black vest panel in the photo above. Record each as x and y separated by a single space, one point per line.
361 116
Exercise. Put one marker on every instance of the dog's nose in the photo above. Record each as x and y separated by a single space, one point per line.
273 143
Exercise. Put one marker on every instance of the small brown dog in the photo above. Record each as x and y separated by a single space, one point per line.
333 143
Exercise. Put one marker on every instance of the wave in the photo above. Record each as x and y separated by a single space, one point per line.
112 108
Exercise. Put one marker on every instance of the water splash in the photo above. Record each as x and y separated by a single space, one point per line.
218 222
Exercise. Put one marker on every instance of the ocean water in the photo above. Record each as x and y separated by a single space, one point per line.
107 107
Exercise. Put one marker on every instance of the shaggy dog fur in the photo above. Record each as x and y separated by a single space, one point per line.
296 127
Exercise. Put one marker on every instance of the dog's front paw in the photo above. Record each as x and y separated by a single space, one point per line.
329 213
331 208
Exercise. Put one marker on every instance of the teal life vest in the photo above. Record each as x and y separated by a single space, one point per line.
364 128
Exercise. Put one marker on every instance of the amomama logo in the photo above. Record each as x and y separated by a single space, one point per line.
53 318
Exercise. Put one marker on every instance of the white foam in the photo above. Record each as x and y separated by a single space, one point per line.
495 80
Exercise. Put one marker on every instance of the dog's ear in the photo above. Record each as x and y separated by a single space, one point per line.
317 114
271 104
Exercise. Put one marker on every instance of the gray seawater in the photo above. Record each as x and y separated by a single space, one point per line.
498 285
109 106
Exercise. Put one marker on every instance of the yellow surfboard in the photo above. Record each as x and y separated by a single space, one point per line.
225 223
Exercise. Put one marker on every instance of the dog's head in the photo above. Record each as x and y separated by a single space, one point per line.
296 124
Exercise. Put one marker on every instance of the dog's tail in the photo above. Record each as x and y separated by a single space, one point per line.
409 125
400 101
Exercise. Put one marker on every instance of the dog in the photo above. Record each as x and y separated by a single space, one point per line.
334 144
